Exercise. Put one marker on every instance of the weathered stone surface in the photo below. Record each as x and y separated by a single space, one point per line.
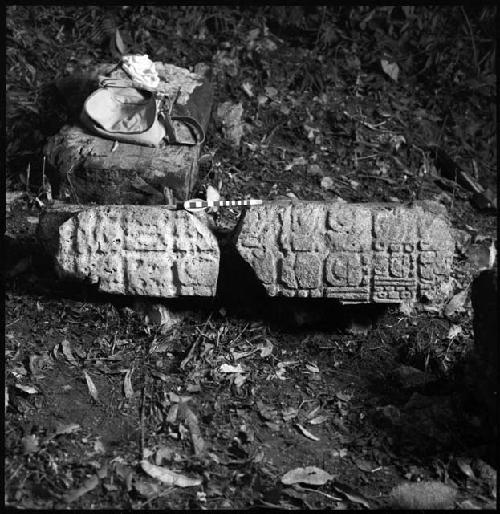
352 252
134 250
83 168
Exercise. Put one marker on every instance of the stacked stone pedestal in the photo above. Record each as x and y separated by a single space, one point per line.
85 168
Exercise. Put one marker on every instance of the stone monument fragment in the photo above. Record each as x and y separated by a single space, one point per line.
133 250
355 253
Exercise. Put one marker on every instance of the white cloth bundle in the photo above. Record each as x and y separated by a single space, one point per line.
141 69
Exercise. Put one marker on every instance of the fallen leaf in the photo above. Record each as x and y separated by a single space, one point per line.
239 379
124 472
464 467
306 432
164 453
289 413
247 88
30 443
275 427
266 349
262 100
212 194
99 446
172 414
175 398
344 397
87 486
340 453
364 465
192 422
229 368
351 494
120 45
309 475
271 92
240 355
27 389
146 488
468 505
265 411
70 428
313 412
313 368
422 496
390 68
299 161
169 477
456 304
91 387
66 350
454 331
327 183
318 420
127 384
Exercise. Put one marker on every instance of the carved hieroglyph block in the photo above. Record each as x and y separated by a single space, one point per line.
139 250
352 252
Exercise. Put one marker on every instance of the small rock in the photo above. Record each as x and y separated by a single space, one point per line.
314 170
327 183
159 314
409 377
230 115
422 496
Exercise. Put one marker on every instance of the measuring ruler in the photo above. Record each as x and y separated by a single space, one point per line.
192 205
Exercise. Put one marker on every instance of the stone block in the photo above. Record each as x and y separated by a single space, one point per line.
134 250
84 168
382 253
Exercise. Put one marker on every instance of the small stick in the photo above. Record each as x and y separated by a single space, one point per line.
195 344
474 49
28 173
143 401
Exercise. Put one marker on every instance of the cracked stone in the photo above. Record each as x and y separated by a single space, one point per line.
355 253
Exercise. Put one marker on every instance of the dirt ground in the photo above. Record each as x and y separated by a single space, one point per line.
363 104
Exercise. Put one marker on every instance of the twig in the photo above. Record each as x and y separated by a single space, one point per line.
161 495
28 173
329 496
195 344
143 401
239 335
474 49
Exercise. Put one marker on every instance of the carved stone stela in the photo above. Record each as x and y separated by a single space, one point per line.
352 252
140 250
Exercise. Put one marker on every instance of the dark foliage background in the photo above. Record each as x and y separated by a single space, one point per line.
446 91
361 103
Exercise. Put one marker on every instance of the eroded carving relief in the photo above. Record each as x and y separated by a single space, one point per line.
352 252
141 250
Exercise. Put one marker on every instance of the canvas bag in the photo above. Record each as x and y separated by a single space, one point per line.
131 112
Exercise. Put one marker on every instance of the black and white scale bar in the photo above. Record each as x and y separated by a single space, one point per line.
201 204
